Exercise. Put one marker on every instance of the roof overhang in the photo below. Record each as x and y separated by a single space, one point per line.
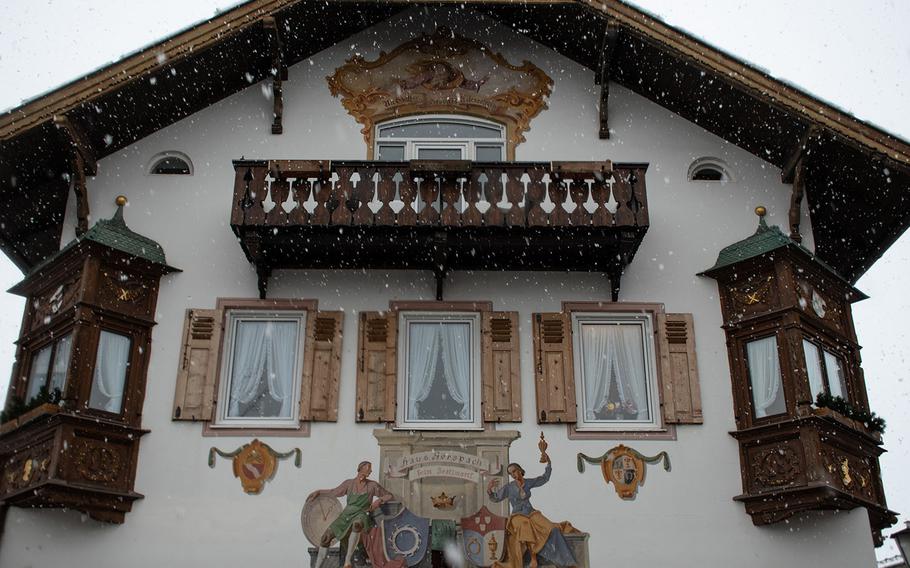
856 174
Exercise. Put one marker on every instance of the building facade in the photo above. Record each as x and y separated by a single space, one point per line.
428 238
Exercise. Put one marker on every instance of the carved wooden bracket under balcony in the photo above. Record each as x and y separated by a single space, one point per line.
440 216
279 72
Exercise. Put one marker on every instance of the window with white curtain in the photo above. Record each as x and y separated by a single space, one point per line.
826 371
765 378
616 371
261 369
109 379
49 366
440 137
439 371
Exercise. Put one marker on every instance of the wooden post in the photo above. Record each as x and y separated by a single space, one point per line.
279 72
82 162
603 76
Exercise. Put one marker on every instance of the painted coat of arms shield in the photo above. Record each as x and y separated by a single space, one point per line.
484 535
406 535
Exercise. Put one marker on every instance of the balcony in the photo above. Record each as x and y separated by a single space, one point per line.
52 458
816 462
440 216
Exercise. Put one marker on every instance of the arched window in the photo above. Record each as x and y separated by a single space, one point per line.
440 137
709 169
171 163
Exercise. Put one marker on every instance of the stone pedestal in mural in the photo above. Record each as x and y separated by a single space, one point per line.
419 467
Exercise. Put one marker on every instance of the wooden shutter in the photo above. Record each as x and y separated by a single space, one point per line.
553 368
681 400
500 370
194 397
377 367
321 367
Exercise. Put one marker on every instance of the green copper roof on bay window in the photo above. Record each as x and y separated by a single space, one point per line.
766 239
115 234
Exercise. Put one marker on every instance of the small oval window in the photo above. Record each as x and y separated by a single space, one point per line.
709 169
170 163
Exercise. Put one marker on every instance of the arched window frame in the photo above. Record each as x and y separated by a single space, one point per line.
467 146
706 163
159 157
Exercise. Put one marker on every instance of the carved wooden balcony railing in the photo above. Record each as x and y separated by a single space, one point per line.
440 216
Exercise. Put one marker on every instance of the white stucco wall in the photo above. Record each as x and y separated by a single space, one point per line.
193 515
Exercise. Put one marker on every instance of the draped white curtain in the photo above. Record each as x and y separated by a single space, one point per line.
630 367
814 368
110 372
598 367
611 349
456 364
423 352
263 348
61 363
764 372
281 368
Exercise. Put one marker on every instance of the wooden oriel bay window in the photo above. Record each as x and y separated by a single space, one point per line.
790 338
74 410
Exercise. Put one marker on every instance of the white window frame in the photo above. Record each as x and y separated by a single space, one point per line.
233 319
645 322
404 319
468 146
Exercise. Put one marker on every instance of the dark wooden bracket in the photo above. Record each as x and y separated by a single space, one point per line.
83 162
440 262
803 148
603 77
279 72
263 272
614 274
794 171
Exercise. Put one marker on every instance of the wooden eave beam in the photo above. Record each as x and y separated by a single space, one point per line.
136 67
78 142
757 83
802 149
279 71
611 33
82 163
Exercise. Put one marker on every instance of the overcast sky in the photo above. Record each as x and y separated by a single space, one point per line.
855 55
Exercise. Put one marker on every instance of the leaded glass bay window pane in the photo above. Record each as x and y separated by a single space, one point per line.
489 153
440 153
440 129
61 363
38 374
391 153
614 373
439 385
764 376
837 379
109 378
262 369
814 369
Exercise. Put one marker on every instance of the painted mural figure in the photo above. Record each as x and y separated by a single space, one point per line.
527 528
363 497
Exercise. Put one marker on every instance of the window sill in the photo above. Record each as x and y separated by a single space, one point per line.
668 432
212 431
435 428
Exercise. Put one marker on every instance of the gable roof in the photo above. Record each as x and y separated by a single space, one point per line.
855 172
